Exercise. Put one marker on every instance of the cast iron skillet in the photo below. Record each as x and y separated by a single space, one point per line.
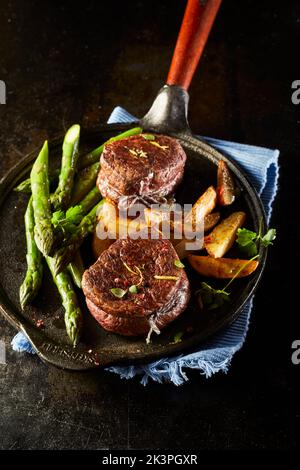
167 115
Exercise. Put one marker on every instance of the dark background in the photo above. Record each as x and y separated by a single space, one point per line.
66 62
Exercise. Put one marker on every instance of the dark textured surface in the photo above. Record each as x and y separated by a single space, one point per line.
63 65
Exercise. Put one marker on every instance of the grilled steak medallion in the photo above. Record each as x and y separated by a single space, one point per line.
137 166
134 286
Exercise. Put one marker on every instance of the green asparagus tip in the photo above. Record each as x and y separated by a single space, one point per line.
73 326
44 243
25 295
30 286
72 134
57 265
24 187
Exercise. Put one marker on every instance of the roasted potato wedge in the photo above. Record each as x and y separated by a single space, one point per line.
225 188
182 247
211 220
183 250
204 205
98 245
222 268
153 216
221 239
156 218
119 226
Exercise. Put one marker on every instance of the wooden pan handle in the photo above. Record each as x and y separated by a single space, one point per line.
197 22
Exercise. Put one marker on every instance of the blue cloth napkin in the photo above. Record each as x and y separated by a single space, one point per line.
261 166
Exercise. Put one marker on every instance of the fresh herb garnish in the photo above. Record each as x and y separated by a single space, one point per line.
269 237
178 337
214 298
57 217
138 153
248 241
178 263
128 268
117 292
142 154
67 221
167 278
148 136
163 147
74 213
133 289
138 272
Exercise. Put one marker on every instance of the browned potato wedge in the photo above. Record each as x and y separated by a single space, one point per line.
156 217
211 220
118 226
204 205
181 246
222 268
183 250
98 245
153 216
225 188
221 239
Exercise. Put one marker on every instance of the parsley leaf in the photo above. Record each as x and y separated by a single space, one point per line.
133 289
178 263
178 337
67 222
57 216
148 136
212 298
244 236
117 292
248 241
268 238
75 214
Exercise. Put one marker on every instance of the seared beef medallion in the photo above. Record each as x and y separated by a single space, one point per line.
137 166
135 286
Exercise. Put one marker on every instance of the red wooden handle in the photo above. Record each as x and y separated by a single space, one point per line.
195 28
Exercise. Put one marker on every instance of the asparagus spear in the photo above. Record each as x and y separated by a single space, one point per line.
43 233
66 223
25 185
89 166
33 277
73 315
65 254
85 180
90 200
61 198
76 269
76 213
93 156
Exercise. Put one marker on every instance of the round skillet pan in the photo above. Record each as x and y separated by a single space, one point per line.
167 115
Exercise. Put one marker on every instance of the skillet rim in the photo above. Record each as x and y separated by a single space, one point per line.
67 357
